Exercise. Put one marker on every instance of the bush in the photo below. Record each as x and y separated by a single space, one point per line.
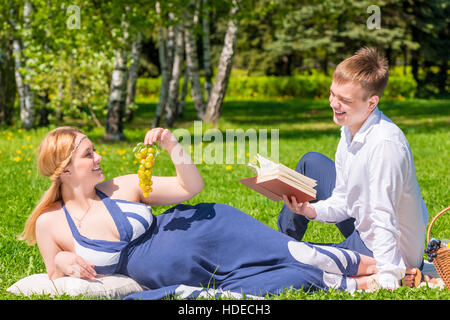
299 86
400 87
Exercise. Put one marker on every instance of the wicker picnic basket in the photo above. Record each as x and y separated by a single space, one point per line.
442 260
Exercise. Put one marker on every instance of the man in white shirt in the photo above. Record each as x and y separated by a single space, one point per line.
371 191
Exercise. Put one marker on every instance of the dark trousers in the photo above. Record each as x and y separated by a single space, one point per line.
322 169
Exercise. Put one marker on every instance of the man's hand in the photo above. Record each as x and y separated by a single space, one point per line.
303 208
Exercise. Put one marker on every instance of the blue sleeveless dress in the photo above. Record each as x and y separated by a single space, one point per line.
210 249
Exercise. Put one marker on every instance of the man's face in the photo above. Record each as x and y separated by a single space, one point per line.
351 105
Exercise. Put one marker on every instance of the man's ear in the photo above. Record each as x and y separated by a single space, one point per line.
373 102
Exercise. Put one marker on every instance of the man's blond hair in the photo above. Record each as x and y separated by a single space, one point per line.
367 67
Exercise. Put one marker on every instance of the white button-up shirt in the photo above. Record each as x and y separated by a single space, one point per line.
376 184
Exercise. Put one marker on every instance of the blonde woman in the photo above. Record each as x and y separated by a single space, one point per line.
86 226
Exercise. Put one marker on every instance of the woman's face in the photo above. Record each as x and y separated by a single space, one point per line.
84 167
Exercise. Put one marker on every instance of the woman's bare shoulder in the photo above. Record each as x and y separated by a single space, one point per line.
50 215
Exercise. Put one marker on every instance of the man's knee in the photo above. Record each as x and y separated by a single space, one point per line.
312 158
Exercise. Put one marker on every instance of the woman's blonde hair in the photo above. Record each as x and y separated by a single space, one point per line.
368 67
55 153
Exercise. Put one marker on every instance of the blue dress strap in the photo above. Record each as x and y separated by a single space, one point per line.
124 228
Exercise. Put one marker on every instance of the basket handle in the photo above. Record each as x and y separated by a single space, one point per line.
432 222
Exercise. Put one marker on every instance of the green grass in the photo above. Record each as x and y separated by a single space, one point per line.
304 125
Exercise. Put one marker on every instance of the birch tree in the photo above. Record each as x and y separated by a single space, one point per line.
180 105
219 89
118 90
26 95
192 60
206 48
132 76
164 69
174 83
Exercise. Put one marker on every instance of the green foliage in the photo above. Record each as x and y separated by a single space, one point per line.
316 85
400 87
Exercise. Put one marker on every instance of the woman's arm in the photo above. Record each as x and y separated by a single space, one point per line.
188 181
59 263
166 190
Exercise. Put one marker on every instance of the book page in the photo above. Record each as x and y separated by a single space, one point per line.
266 166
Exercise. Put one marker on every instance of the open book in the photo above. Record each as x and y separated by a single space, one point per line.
275 179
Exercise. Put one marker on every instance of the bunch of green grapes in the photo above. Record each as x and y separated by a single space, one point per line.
146 155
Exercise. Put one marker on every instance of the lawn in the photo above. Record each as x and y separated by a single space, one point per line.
304 125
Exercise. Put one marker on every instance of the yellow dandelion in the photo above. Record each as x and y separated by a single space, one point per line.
17 159
19 151
104 153
228 167
28 159
121 169
28 138
19 131
121 152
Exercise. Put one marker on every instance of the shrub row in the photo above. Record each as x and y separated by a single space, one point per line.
300 86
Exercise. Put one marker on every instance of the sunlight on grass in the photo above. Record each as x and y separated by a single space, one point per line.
304 125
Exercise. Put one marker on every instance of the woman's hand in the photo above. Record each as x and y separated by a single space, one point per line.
72 265
164 136
188 181
303 208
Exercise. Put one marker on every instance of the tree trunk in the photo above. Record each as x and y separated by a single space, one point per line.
174 84
180 105
117 96
7 83
192 63
219 89
26 95
170 47
118 91
206 49
43 111
132 76
164 73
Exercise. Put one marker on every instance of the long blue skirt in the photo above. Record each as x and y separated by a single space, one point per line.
216 249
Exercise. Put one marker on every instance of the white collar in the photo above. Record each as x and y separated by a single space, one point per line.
361 134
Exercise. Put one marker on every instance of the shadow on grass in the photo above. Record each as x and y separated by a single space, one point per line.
296 119
418 116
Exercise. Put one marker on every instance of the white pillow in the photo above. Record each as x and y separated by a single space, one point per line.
107 286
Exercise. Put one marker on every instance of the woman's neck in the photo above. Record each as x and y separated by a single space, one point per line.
81 197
